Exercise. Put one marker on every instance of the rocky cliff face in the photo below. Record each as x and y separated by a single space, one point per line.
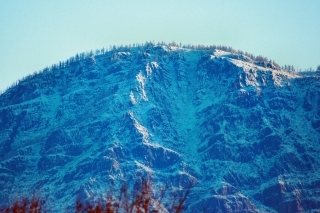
246 138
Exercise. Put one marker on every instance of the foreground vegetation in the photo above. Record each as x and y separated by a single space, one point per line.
142 201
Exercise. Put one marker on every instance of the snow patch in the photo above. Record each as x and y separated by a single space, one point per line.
141 79
220 53
144 167
141 129
150 67
133 100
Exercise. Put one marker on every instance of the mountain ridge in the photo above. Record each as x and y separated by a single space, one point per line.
236 129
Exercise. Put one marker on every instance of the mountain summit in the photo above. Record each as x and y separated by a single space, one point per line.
243 134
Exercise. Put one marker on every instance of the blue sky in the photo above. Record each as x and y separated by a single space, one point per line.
36 34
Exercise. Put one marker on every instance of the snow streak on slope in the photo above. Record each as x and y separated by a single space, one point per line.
243 136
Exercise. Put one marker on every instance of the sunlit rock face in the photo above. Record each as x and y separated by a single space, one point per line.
243 135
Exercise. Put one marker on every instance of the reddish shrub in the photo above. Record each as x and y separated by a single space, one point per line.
25 206
142 201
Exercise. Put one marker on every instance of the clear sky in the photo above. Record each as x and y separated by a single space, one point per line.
35 34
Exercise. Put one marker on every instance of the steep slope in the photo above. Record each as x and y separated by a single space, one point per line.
245 137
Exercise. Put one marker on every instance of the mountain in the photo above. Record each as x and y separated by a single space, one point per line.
243 135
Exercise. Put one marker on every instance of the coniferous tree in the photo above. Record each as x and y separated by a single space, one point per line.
82 56
77 57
